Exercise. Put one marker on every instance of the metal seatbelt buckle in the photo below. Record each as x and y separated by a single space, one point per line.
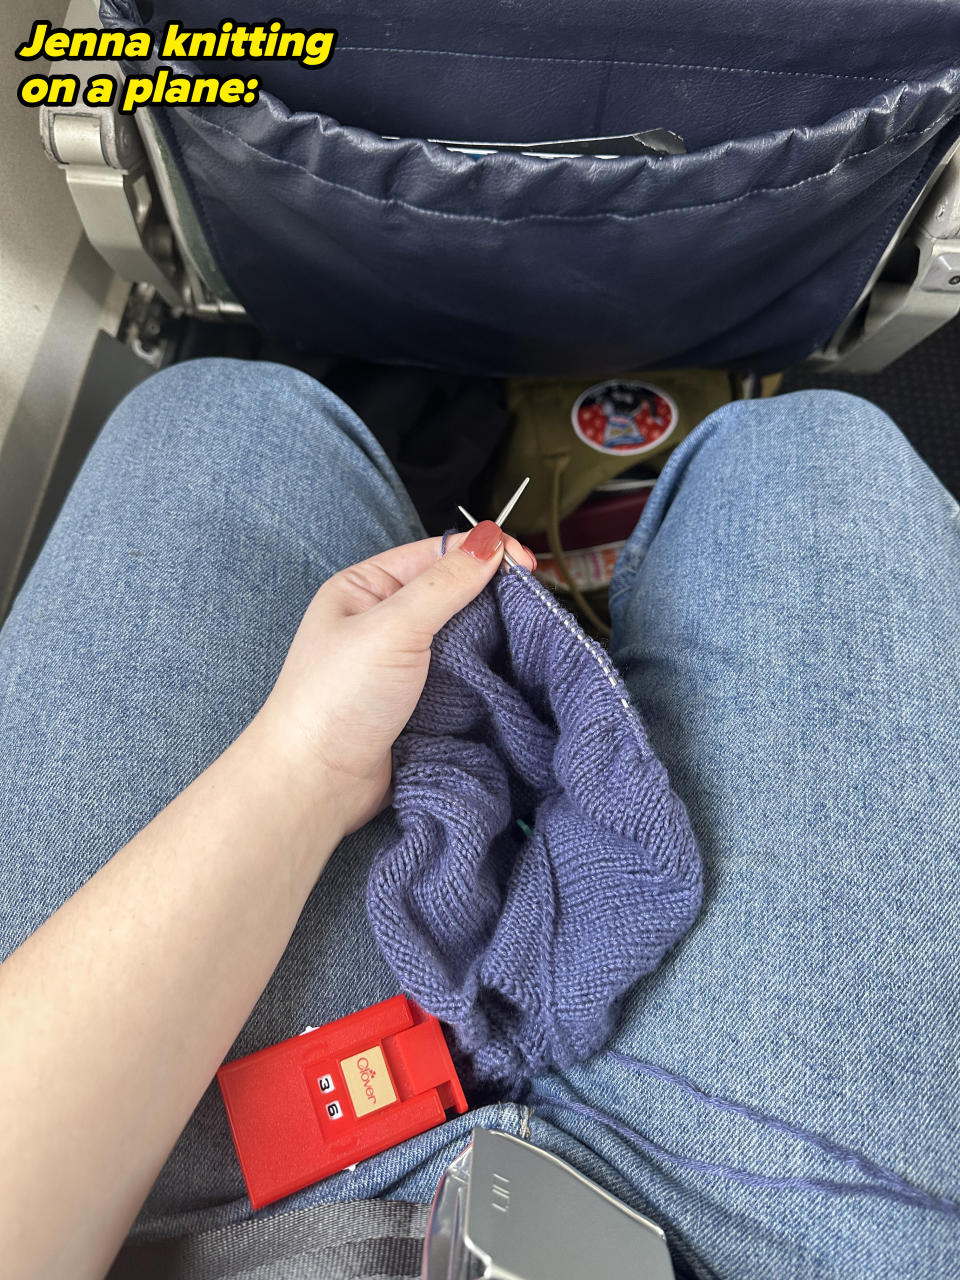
506 1210
322 1101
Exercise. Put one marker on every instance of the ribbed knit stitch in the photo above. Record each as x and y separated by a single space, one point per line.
525 943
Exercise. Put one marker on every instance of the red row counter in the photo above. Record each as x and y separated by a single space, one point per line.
313 1105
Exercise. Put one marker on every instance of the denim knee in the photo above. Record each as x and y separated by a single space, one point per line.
785 458
808 434
200 408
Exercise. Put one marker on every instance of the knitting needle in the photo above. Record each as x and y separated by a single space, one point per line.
511 504
501 517
467 516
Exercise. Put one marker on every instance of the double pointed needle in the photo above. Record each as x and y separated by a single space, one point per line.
501 517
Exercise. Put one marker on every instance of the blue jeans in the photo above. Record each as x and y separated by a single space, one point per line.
787 618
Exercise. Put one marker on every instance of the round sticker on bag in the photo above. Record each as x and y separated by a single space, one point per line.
618 416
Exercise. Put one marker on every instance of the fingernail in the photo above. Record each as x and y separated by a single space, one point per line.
530 554
483 540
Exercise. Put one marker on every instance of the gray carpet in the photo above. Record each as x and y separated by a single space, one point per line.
920 392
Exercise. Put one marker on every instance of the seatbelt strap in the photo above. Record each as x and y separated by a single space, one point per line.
355 1240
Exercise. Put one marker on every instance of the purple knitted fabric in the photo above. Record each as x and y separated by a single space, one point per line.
524 943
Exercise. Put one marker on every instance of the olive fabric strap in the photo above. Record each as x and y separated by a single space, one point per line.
557 467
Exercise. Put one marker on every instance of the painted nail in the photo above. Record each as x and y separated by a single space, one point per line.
483 540
530 554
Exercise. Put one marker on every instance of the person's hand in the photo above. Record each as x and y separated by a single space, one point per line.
359 661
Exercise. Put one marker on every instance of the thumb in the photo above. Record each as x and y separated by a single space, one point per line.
432 598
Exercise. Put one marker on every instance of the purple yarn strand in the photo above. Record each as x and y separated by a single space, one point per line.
784 1182
846 1155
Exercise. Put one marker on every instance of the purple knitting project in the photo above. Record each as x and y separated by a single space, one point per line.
544 862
